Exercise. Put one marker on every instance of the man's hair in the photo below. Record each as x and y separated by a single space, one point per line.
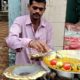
39 1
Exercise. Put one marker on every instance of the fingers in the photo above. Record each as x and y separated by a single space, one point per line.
45 47
39 45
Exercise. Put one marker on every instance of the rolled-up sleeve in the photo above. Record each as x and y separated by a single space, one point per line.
13 40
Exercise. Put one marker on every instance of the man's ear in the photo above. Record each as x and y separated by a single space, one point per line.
28 6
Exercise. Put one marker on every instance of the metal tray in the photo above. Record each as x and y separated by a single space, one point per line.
28 72
65 53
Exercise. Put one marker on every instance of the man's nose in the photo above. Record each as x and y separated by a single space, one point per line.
37 10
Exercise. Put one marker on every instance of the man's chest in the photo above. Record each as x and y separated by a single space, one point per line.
40 34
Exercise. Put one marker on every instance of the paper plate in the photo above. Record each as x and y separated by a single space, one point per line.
26 72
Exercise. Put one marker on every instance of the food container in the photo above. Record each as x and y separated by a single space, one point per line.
70 55
25 72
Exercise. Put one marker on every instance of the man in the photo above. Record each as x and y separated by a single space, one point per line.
30 34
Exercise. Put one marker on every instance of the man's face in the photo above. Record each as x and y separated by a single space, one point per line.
36 10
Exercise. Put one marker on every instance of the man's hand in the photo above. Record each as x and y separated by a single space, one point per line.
39 45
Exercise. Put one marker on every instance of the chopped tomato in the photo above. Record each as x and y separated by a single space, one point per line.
53 62
67 66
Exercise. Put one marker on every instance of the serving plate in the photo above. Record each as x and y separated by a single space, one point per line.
24 72
63 54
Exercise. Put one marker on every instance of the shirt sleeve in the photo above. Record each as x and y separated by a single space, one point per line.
13 40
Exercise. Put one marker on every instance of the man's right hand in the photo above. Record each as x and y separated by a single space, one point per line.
39 45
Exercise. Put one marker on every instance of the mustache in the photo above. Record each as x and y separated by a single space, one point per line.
36 14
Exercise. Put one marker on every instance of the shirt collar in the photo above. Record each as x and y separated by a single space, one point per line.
28 21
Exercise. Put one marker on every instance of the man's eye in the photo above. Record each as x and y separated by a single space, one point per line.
41 9
35 8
